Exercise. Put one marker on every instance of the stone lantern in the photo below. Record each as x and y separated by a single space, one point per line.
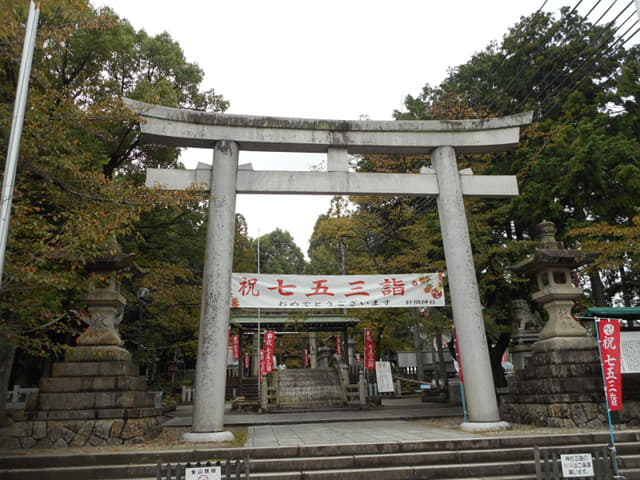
560 384
105 304
97 395
551 264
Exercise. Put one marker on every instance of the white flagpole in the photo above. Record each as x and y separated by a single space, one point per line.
16 128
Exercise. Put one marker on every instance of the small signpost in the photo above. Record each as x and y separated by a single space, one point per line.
577 465
383 377
203 473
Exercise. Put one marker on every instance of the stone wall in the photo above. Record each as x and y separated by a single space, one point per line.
309 387
564 388
78 433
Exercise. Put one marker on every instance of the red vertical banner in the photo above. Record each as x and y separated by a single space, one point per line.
306 358
247 361
236 347
269 346
609 340
339 345
369 350
458 355
261 365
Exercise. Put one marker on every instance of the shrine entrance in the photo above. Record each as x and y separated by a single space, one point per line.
307 353
442 140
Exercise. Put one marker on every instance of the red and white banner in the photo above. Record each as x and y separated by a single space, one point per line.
269 345
247 361
609 339
251 290
369 350
236 347
306 358
261 365
339 345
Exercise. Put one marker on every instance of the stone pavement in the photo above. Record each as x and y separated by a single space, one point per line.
374 431
388 423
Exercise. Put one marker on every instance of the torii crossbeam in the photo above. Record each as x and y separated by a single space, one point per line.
227 134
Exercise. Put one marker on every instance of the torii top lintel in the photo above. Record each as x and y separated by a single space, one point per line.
190 128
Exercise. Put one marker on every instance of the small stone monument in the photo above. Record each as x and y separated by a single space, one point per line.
528 332
96 396
561 385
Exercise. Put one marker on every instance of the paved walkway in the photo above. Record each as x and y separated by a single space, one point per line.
347 432
388 423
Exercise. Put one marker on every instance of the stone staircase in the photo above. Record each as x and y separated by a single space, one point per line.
500 458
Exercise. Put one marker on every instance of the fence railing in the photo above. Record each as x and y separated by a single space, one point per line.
16 397
593 463
240 469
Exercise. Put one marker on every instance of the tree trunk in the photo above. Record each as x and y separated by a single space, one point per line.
597 289
495 354
417 345
7 354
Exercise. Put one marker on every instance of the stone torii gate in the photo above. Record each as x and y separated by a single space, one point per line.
227 134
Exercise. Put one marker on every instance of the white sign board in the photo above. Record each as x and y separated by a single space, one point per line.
630 342
253 290
383 377
577 465
203 473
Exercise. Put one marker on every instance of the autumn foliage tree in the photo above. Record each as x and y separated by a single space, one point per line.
79 180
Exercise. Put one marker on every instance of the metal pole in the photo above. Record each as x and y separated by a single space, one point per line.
16 128
612 447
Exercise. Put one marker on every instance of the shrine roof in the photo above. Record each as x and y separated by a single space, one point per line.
310 323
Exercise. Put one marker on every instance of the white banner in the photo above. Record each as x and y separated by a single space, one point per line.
384 378
630 344
252 290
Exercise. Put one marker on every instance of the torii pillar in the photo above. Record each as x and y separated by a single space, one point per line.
227 134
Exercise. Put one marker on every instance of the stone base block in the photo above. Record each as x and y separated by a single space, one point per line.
92 384
94 400
78 433
82 369
485 426
97 353
86 414
203 437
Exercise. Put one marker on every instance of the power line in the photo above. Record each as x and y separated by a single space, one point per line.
585 77
552 32
543 91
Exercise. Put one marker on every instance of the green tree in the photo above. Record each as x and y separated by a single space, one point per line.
79 180
279 253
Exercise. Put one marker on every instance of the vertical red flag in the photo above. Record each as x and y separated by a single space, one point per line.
339 345
458 355
369 350
269 345
306 358
247 361
609 340
236 347
261 365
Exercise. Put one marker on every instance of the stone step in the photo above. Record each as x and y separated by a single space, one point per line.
506 468
81 369
628 443
469 458
92 384
84 400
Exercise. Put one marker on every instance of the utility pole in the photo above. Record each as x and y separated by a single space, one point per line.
16 128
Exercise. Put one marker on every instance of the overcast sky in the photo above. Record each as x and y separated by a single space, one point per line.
335 59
